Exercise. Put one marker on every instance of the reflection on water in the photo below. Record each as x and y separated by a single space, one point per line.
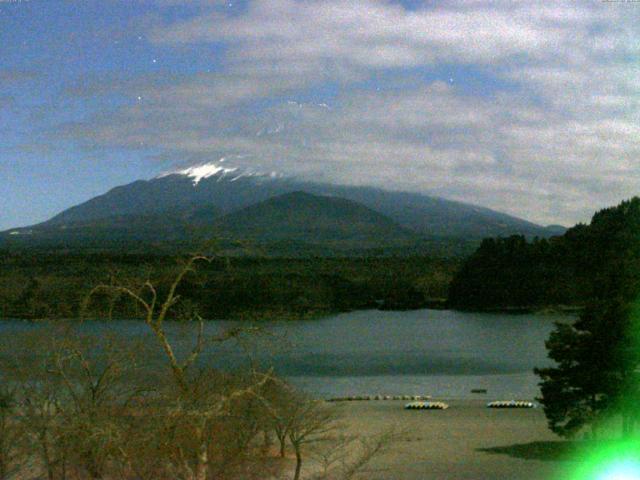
441 353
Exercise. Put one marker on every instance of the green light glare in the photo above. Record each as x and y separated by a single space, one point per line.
611 461
623 470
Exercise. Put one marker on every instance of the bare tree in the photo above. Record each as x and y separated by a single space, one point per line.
313 429
93 374
279 404
11 435
346 457
72 394
148 433
156 312
41 418
310 422
197 402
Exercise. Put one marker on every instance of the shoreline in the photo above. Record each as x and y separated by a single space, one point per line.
435 305
517 310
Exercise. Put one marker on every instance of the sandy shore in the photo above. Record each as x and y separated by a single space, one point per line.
448 444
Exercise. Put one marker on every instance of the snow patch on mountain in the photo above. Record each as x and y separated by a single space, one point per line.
198 172
211 169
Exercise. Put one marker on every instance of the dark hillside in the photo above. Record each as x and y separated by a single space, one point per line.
564 270
300 216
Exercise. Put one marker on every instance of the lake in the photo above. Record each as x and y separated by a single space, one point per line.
441 353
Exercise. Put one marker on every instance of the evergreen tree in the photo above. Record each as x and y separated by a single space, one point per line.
595 373
598 357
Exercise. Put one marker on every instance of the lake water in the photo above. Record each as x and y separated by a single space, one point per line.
445 354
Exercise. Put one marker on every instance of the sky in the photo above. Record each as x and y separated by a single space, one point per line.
530 108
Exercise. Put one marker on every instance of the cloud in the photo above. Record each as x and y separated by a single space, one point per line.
379 34
553 134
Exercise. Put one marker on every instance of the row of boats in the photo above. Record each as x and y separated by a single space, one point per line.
356 398
422 402
425 405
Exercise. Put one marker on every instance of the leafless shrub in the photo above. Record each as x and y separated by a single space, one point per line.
195 411
93 407
347 457
11 433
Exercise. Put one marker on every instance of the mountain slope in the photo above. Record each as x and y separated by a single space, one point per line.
431 216
303 217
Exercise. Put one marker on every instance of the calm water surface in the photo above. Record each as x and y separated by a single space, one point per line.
440 353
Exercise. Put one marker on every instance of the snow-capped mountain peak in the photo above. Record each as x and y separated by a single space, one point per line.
199 172
211 169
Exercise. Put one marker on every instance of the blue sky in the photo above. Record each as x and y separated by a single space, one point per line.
532 108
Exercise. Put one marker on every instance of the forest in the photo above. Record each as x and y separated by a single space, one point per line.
53 285
568 270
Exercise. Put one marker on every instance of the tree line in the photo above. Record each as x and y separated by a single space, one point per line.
38 285
514 272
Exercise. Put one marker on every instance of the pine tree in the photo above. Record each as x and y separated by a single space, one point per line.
598 357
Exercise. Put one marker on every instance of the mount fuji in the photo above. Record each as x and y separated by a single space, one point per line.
219 200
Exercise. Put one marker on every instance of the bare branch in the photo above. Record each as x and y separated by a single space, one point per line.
110 289
197 349
171 296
